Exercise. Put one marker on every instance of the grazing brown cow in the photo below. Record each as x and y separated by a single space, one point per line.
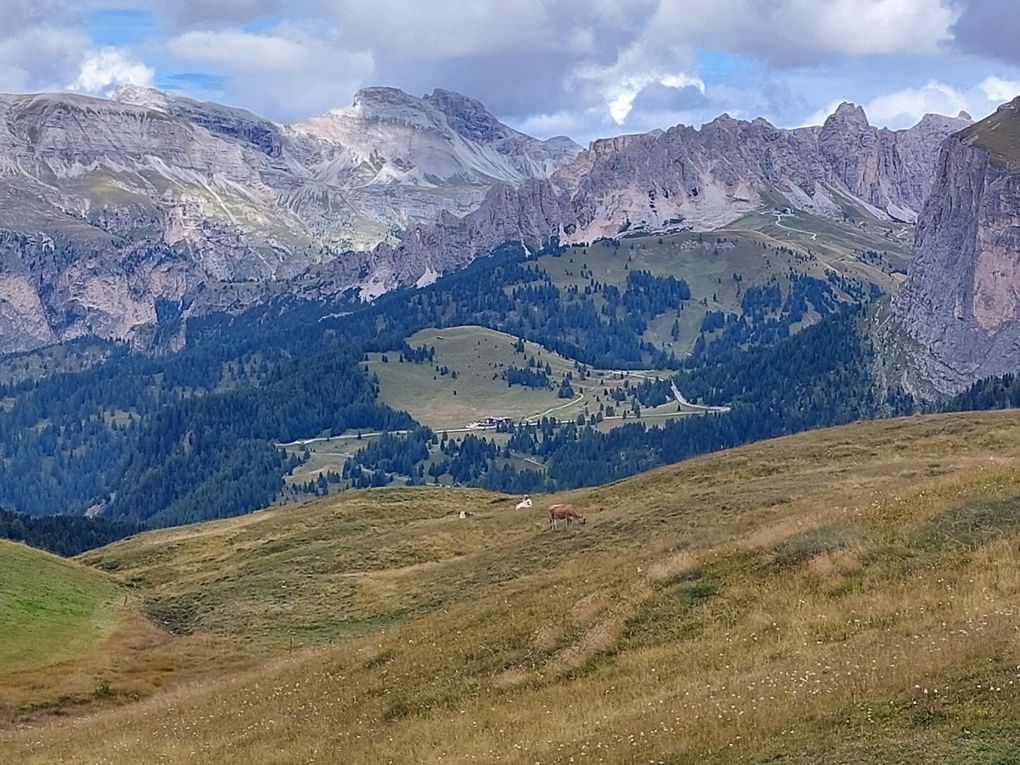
566 513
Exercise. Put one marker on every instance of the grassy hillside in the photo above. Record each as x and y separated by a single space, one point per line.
782 271
52 612
73 639
50 609
464 383
479 356
754 248
999 133
842 596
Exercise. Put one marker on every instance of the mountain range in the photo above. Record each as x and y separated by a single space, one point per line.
681 179
118 212
112 208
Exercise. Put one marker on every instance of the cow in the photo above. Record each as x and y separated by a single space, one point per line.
525 503
566 513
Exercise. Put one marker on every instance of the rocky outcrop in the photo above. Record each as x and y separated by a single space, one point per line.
961 300
893 171
532 214
402 161
705 178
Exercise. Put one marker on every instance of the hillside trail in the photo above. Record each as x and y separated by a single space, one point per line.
539 416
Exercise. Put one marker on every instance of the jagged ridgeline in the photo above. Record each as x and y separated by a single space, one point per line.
193 435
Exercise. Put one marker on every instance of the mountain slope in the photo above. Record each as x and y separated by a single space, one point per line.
118 213
960 301
710 176
50 609
838 597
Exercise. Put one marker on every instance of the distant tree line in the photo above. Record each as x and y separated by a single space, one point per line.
63 534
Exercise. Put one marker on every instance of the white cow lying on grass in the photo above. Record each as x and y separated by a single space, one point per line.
525 503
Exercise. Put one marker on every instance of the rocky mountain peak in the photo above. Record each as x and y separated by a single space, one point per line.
151 196
723 121
136 95
938 121
385 104
467 116
158 195
847 116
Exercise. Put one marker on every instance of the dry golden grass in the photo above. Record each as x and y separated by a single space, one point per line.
840 597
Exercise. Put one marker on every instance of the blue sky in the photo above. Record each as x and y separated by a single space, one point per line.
584 68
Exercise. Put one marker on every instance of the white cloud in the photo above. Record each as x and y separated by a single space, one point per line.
238 49
998 90
803 32
874 27
39 58
288 72
905 107
449 28
682 81
103 70
621 104
584 67
579 123
783 32
19 15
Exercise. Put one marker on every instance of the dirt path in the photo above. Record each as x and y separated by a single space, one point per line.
578 400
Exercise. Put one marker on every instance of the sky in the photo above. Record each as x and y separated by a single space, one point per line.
583 68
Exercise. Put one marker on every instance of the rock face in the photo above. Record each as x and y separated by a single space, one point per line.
402 160
891 170
705 178
960 301
113 211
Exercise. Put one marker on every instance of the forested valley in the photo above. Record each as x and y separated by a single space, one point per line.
173 438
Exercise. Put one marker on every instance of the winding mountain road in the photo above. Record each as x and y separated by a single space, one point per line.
812 234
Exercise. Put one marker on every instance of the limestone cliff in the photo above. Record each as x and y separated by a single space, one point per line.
961 298
705 178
